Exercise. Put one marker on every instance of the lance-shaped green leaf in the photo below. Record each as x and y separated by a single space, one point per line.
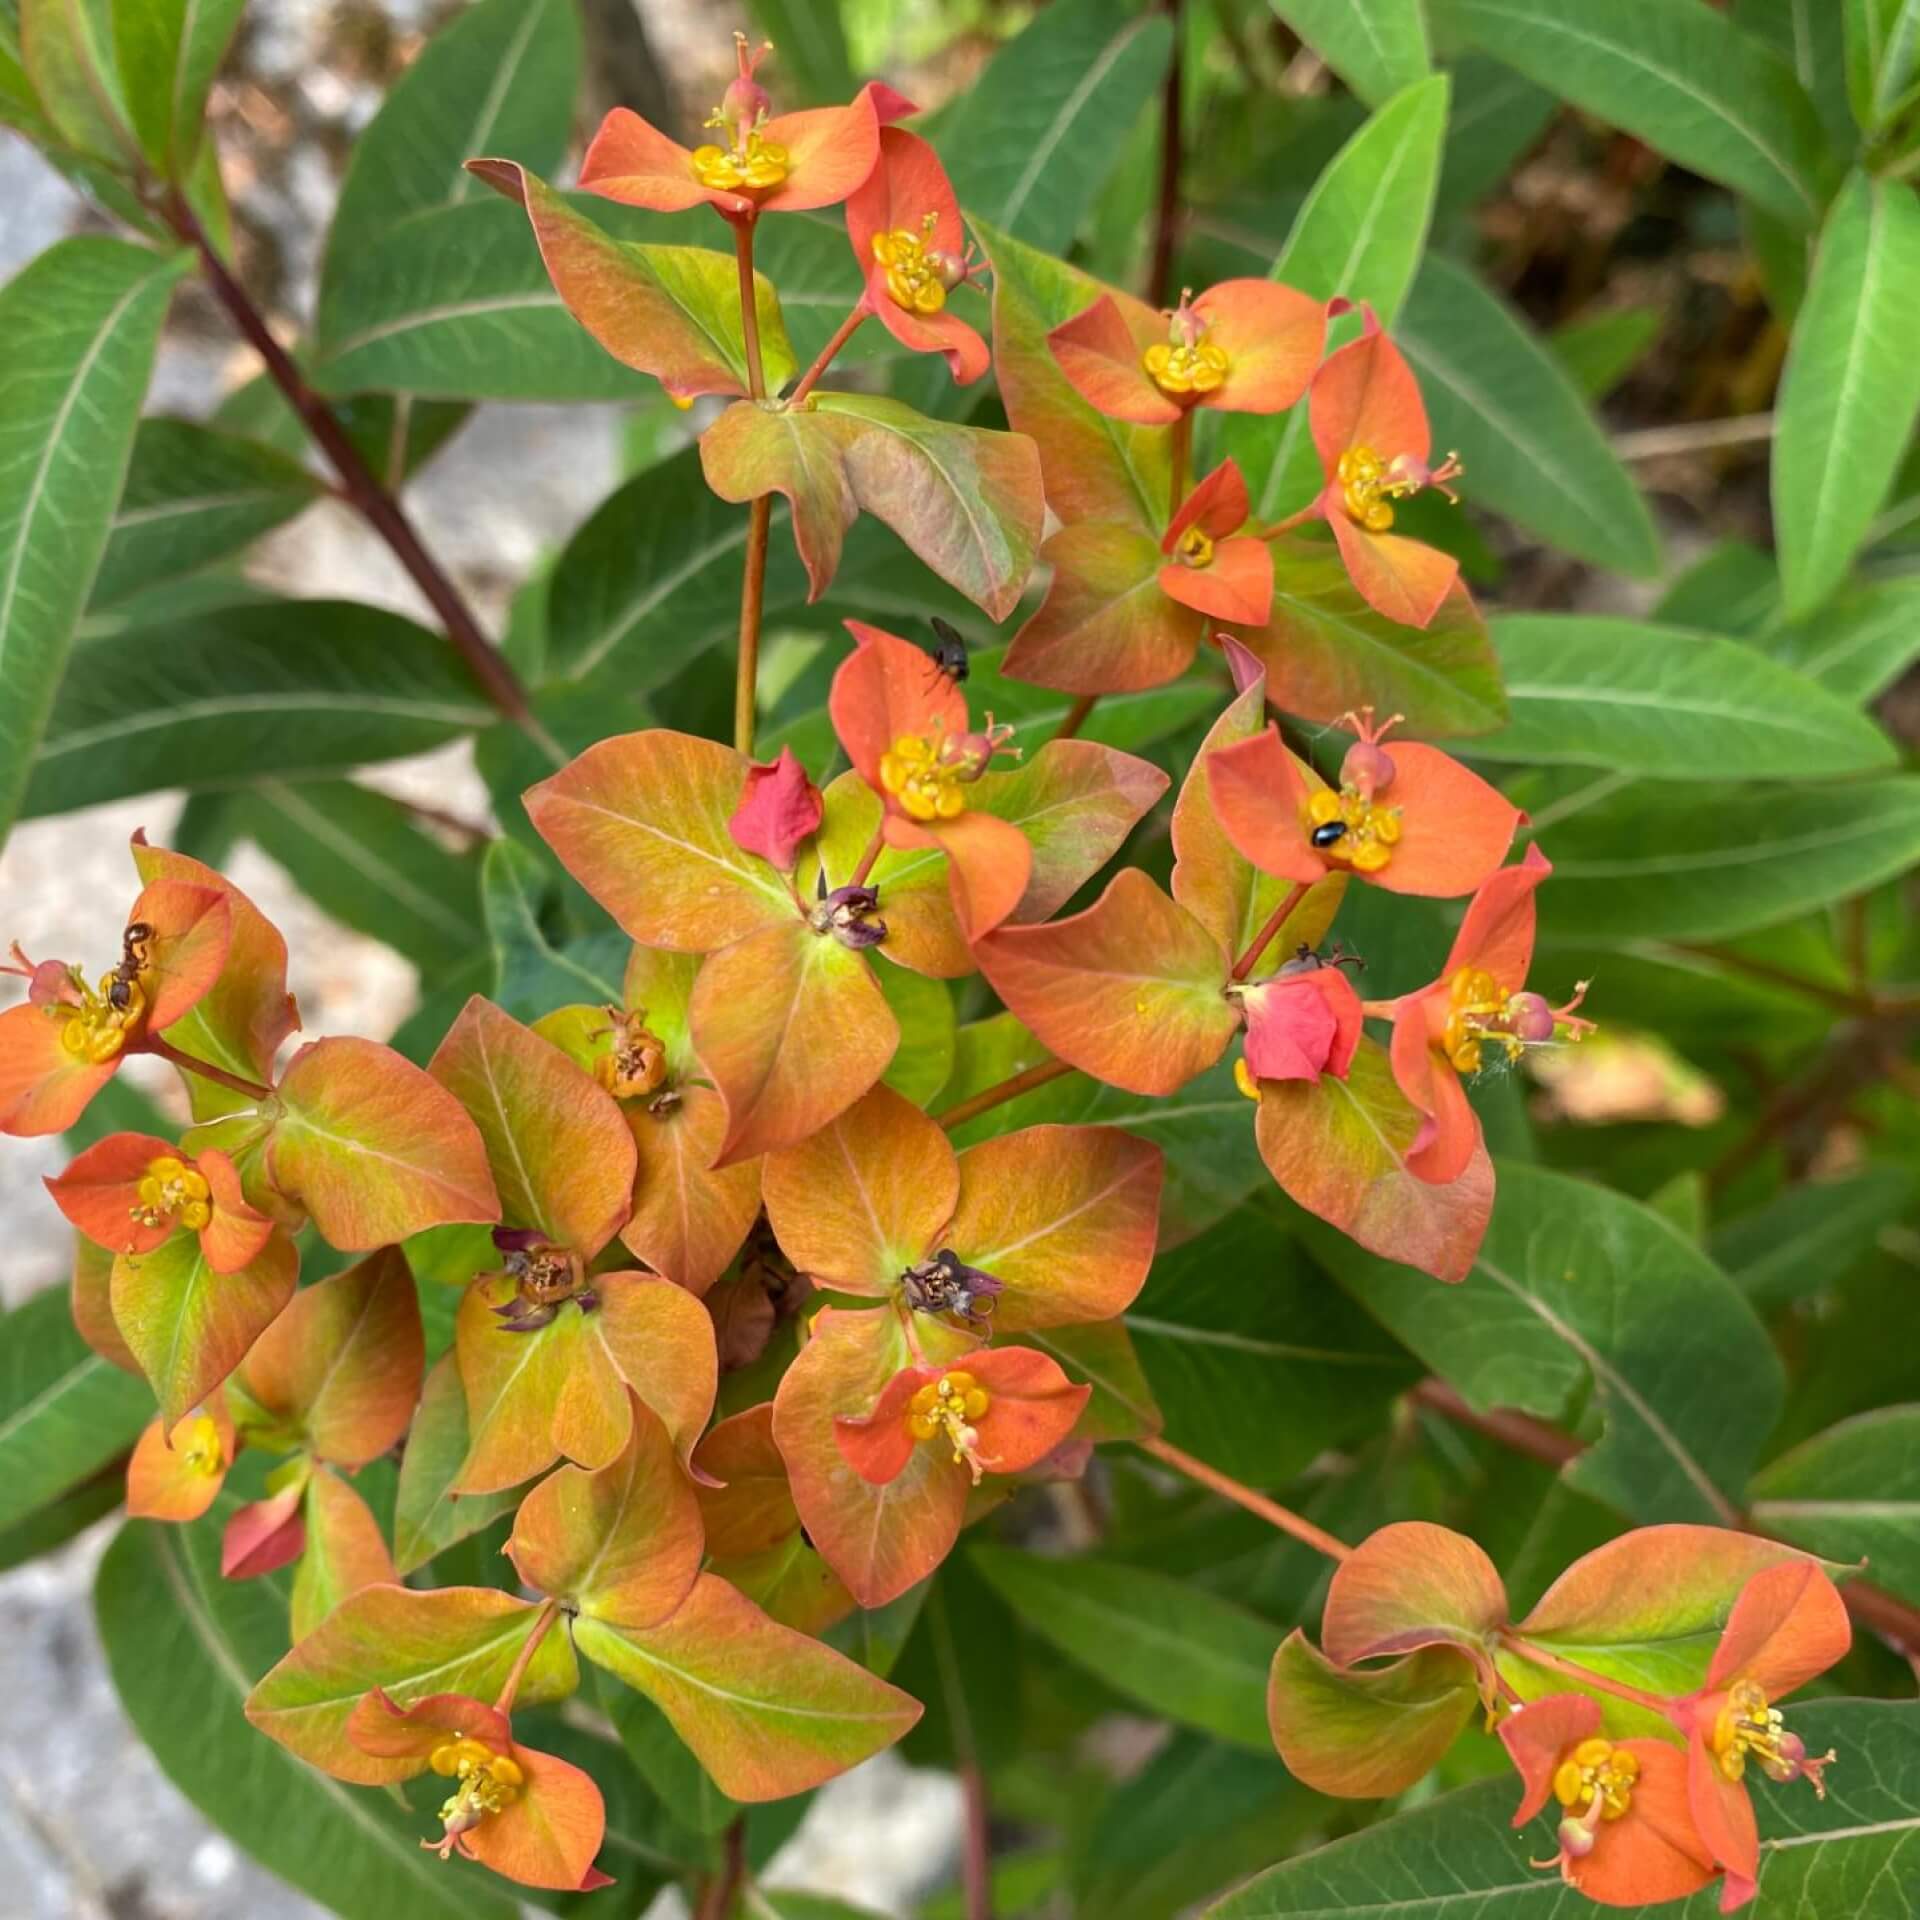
1642 699
167 54
1684 79
429 1514
1326 651
67 49
1374 49
82 323
340 1368
1570 1272
64 1411
374 1148
673 312
1858 644
1882 58
1849 393
966 500
769 1712
1459 1854
1852 1493
1095 468
561 1154
1339 1148
188 1326
1369 1732
191 497
344 1553
621 1545
411 1645
1177 1650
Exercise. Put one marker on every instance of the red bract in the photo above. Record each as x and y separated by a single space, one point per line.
788 163
1405 817
1626 1835
1245 346
1370 429
908 239
1209 570
1788 1626
527 1815
1478 1002
780 808
60 1048
130 1191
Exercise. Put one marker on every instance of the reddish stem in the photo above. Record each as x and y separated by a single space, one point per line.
510 1689
1180 446
1262 940
234 1082
1076 716
1270 1511
873 852
976 1862
716 1900
749 308
1540 1657
753 593
1009 1089
1166 224
842 334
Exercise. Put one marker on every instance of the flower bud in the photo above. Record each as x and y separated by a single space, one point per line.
948 267
744 101
1529 1018
1576 1840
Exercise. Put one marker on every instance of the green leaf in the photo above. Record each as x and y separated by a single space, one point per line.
81 325
1458 1855
1807 1236
194 496
1850 391
67 46
1858 644
428 1516
500 79
290 689
1681 77
923 1062
64 1412
1033 139
1531 449
1591 691
664 1760
1360 233
56 1523
1692 864
1591 1292
1375 47
168 52
1171 1646
810 49
1851 1493
1882 57
1497 115
1601 351
1810 36
184 1646
1256 1363
535 975
365 859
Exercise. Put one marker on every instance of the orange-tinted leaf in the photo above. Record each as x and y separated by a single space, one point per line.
885 689
1788 1626
1455 828
668 311
43 1088
266 1535
1217 506
177 1475
792 1030
1365 395
1235 585
1719 1812
1106 624
916 902
1364 1735
428 1515
236 1233
374 1148
341 1366
659 1340
1449 1132
747 1507
863 1199
1259 794
1412 1585
561 1154
1100 351
689 1217
768 1711
622 1544
1131 990
1341 1149
1498 930
98 1191
455 1639
753 450
1064 1217
1405 580
513 1383
92 1302
791 1584
641 822
188 1326
879 1540
191 930
1655 1853
989 864
1272 337
344 1551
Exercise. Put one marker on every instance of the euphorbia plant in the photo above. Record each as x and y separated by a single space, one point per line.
868 1180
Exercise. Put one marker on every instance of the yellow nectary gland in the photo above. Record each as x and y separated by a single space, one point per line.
1477 1003
751 164
489 1782
951 1407
199 1448
1368 832
98 1028
172 1190
1195 548
1366 489
1747 1725
1596 1778
928 784
913 278
1179 369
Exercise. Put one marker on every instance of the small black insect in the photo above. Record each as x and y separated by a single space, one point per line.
949 652
1328 833
133 960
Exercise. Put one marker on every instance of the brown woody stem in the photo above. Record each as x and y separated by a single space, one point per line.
362 490
1076 716
234 1082
1262 940
1271 1511
830 352
510 1688
976 1862
1166 223
1010 1088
